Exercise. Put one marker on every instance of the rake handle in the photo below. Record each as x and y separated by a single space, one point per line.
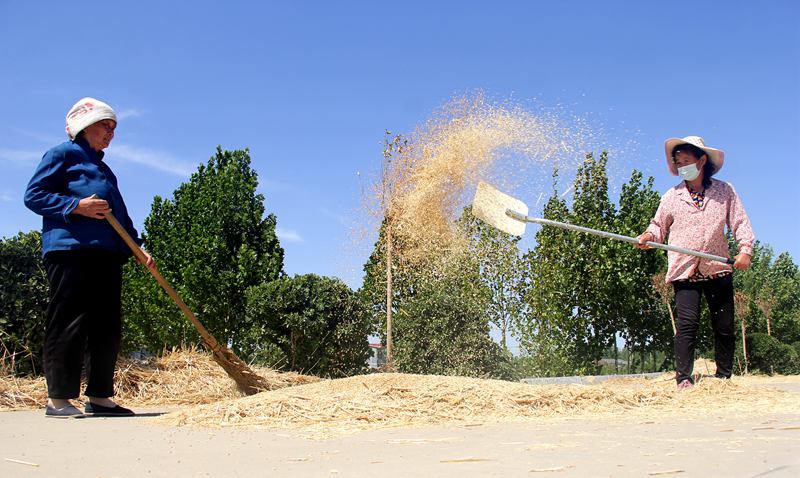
619 237
137 251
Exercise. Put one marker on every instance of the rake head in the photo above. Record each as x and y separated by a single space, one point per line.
490 206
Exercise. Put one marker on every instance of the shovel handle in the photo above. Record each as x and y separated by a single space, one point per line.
618 237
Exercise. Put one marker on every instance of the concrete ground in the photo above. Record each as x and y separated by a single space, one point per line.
765 445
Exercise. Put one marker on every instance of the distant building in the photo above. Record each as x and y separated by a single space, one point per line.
610 362
377 356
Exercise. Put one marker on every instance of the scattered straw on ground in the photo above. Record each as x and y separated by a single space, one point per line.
335 407
185 377
348 405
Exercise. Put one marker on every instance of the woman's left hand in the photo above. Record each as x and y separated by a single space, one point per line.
741 261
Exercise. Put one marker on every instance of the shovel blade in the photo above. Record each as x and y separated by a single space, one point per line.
490 206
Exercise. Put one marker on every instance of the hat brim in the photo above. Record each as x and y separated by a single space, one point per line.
716 156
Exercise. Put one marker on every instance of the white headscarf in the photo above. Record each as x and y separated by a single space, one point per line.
85 112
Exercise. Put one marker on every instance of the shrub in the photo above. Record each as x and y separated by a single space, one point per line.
768 355
310 323
23 302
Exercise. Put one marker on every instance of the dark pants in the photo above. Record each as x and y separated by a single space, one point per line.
83 321
719 296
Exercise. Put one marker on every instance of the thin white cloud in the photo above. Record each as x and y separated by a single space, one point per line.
288 235
48 139
6 196
129 113
158 160
20 157
340 218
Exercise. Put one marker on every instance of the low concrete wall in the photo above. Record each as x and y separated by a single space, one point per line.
587 380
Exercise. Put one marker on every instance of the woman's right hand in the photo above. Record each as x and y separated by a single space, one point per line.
92 207
647 236
147 260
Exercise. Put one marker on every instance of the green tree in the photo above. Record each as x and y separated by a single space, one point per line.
443 327
780 300
441 322
501 269
317 323
772 286
584 290
753 282
769 355
374 289
643 319
546 332
23 302
396 169
595 321
212 241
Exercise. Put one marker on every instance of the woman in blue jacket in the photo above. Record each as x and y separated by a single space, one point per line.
72 189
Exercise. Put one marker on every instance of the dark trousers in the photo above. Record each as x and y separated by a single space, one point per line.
719 296
83 321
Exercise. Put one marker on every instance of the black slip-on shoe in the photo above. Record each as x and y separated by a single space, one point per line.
64 412
96 410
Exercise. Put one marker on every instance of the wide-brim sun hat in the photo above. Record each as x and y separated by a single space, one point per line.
85 112
716 156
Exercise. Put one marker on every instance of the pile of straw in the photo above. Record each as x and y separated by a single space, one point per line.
347 405
22 393
183 377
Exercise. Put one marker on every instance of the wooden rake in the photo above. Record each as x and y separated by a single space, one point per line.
246 379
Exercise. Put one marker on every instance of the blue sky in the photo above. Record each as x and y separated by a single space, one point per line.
310 88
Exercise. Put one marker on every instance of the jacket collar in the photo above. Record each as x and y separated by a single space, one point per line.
683 190
96 155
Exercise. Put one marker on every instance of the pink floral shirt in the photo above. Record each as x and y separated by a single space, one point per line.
701 228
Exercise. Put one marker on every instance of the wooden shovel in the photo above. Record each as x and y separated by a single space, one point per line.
510 215
247 380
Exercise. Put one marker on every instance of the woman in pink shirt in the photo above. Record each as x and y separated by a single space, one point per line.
694 214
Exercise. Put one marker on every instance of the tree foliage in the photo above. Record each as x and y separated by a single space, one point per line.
585 291
644 321
440 313
501 270
442 327
23 302
547 334
594 321
769 294
212 241
317 323
769 355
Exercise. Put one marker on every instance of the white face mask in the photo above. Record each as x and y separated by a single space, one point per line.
689 172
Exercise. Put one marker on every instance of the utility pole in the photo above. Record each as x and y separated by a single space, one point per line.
389 293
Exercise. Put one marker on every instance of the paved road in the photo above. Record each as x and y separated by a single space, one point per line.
711 446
